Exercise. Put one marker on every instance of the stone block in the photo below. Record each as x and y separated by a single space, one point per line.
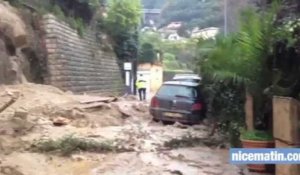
286 120
286 169
60 121
50 50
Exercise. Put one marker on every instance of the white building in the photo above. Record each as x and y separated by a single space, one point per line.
169 32
206 33
174 25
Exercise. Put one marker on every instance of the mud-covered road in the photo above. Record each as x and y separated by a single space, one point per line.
150 148
148 157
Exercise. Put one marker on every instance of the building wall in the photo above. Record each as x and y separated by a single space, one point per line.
77 63
155 78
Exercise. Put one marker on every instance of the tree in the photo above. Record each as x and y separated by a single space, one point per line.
243 57
121 23
123 16
183 51
83 9
147 53
195 13
153 38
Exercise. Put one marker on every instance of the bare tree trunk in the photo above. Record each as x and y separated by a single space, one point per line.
249 111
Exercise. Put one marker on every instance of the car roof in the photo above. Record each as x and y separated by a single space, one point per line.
187 76
183 83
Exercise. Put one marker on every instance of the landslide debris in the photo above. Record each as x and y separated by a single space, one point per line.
37 112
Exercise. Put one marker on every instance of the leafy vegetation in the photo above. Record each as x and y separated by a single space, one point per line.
195 13
256 135
121 24
243 57
261 59
257 52
226 103
192 141
240 62
77 13
147 53
170 62
123 15
83 9
176 54
70 144
123 18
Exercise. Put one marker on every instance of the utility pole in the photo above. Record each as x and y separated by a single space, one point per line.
225 17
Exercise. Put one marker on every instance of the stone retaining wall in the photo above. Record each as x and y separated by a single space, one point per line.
77 63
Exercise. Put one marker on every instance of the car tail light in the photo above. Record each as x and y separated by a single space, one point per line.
154 102
197 107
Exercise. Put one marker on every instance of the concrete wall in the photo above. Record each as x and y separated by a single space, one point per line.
76 63
286 130
286 115
155 77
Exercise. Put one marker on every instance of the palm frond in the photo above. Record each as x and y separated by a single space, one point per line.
240 57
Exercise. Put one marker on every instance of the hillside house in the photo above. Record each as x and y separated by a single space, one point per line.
169 32
206 33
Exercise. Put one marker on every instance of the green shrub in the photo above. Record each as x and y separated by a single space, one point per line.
169 57
80 26
225 102
171 65
57 11
70 144
192 141
256 135
77 24
15 3
72 23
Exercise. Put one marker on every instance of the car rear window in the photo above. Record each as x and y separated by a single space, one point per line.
177 90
